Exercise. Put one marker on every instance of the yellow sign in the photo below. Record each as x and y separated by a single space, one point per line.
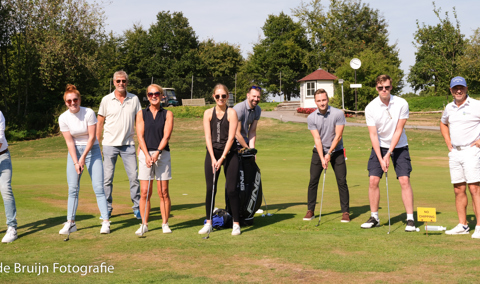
426 214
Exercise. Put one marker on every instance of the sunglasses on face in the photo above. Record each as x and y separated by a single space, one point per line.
380 88
218 96
70 101
157 94
123 81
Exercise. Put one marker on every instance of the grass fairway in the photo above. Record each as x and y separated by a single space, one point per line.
277 249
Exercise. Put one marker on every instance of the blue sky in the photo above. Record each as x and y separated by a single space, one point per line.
240 22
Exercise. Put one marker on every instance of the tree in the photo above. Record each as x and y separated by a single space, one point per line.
469 63
282 51
438 50
348 28
171 52
374 63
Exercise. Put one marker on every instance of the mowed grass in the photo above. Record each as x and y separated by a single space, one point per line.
278 249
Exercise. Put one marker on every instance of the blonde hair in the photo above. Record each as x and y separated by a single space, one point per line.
158 87
218 86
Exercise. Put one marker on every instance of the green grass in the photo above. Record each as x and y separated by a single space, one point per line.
277 249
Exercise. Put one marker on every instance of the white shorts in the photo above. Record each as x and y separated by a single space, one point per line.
465 165
162 169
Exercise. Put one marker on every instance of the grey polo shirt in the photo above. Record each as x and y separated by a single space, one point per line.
325 125
247 116
119 127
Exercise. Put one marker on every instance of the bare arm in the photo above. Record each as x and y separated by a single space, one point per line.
232 128
395 139
140 127
372 130
444 129
319 146
207 116
239 136
100 123
71 149
91 140
252 134
167 133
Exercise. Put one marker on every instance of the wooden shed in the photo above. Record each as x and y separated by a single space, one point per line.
319 79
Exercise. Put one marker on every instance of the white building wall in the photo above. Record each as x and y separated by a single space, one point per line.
308 102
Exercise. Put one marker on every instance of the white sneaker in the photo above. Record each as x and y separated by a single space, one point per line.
236 230
10 236
69 227
166 228
105 227
142 230
460 229
476 234
206 229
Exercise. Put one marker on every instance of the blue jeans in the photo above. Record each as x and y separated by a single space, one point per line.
6 189
93 163
110 155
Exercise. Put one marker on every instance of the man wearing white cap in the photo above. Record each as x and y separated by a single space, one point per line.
460 127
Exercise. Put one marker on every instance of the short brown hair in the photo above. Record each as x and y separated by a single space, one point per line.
320 91
383 78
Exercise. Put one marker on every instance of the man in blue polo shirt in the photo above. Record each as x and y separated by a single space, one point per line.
326 125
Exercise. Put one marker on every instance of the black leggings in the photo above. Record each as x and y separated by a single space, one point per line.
230 168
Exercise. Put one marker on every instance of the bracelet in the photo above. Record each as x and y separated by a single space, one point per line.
75 164
389 152
223 156
328 153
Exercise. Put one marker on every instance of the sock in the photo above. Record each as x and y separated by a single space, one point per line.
374 214
410 217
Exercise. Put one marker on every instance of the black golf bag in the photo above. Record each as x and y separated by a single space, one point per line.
249 186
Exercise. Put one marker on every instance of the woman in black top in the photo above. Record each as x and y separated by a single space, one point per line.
154 128
220 125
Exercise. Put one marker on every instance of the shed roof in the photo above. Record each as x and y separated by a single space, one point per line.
318 74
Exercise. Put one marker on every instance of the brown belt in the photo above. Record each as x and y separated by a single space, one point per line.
4 151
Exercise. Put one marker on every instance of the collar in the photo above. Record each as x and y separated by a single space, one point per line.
248 106
392 100
115 98
319 113
467 102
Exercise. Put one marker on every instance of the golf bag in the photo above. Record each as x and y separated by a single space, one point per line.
249 186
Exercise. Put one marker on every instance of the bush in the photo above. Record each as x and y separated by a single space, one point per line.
305 110
188 111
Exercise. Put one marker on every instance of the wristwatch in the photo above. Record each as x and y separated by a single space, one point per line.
159 151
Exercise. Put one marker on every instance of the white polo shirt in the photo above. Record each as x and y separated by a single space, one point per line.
463 122
77 124
385 119
3 140
119 127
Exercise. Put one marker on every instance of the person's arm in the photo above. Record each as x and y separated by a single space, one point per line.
444 129
91 140
335 141
100 123
71 149
372 130
238 135
140 127
319 146
167 132
252 134
232 128
207 116
395 139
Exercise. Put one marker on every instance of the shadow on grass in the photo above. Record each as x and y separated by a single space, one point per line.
41 225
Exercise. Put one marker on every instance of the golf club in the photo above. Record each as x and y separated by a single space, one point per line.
75 202
321 202
211 206
388 203
266 206
144 221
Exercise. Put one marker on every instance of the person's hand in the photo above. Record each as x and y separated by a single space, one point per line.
385 162
327 160
214 163
148 161
475 144
155 157
324 163
218 163
80 165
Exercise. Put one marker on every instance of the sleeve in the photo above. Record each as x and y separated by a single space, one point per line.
311 122
444 118
238 110
90 117
404 112
63 124
2 126
138 106
102 109
340 118
369 117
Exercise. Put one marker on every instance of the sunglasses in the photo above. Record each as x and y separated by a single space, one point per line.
256 88
123 81
380 88
70 101
218 96
157 94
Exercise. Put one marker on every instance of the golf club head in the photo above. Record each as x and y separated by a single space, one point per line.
68 238
205 238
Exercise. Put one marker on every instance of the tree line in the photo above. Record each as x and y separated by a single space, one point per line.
46 44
